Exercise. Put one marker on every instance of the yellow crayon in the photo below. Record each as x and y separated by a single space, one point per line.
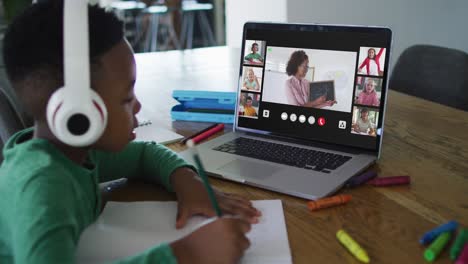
352 246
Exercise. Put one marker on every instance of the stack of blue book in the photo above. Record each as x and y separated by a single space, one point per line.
204 106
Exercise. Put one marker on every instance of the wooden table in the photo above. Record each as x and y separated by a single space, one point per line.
422 139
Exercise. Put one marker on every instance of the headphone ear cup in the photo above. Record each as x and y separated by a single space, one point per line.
53 106
101 111
76 121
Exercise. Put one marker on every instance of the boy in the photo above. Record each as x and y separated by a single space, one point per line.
248 109
49 191
254 57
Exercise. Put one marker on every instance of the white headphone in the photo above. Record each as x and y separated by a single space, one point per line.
76 114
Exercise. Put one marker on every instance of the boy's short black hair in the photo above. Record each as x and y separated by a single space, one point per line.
33 49
296 59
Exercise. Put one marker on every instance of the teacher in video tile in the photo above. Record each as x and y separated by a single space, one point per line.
297 86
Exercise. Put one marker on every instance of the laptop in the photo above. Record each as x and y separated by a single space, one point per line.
284 141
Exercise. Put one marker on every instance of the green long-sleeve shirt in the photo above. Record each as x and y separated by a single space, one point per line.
46 200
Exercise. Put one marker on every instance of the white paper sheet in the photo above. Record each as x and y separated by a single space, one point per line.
126 229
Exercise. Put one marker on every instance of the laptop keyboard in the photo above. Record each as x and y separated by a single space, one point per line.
284 154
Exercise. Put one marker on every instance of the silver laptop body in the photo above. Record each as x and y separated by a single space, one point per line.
362 147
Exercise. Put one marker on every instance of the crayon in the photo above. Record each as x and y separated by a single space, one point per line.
115 185
389 181
430 235
183 141
328 202
431 253
457 246
361 179
208 133
463 258
352 246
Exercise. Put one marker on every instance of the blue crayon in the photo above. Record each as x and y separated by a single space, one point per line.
361 179
431 235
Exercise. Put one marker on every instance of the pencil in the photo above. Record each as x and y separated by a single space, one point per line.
201 172
198 133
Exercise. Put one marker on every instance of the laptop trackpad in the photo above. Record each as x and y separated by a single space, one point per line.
248 169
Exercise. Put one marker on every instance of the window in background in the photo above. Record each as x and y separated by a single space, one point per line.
157 25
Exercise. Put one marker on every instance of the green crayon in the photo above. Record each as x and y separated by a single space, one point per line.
457 246
431 253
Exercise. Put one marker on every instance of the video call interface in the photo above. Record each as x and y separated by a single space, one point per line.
324 86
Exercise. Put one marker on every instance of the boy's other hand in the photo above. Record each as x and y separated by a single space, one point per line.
193 200
222 241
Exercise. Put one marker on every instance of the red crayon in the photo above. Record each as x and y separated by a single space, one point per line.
463 258
389 181
208 133
184 141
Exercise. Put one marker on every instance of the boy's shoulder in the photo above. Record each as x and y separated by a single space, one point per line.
28 160
35 174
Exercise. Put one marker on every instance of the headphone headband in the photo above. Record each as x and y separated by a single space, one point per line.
76 48
76 114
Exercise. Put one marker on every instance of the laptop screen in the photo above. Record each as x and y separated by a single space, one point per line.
314 82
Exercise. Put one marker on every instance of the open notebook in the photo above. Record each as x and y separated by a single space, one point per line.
147 131
126 229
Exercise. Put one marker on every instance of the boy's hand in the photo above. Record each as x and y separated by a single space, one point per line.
222 241
193 199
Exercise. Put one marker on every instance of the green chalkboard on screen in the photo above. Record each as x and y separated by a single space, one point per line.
322 88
